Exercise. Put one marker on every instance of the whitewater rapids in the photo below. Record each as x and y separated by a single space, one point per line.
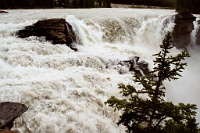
66 90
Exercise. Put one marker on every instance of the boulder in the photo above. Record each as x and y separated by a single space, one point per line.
183 28
57 30
3 12
139 67
9 111
144 67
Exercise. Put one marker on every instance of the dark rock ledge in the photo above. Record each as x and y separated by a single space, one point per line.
56 30
3 12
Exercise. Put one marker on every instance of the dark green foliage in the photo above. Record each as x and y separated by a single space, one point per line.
75 4
188 5
4 4
162 3
145 110
82 3
122 1
191 5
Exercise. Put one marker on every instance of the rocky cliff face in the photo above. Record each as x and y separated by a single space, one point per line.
183 28
57 30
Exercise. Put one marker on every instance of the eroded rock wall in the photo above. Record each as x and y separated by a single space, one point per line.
183 28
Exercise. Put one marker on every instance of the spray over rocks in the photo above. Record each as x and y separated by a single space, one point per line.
66 90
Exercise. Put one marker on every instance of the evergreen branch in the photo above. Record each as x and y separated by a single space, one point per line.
153 113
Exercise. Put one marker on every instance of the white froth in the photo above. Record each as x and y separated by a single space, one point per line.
66 90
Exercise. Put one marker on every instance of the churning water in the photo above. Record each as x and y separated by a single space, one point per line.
66 90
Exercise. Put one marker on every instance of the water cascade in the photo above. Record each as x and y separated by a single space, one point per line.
66 90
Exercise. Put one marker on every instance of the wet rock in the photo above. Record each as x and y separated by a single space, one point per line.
9 111
9 131
139 67
144 67
3 12
73 47
57 30
183 28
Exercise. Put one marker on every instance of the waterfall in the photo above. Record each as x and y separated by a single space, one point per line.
66 90
193 35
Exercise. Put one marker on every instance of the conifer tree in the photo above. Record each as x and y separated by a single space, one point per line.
188 5
3 4
145 110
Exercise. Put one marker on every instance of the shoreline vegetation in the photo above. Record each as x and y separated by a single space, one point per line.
112 6
3 11
105 4
178 5
138 6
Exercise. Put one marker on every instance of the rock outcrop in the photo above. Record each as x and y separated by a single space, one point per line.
57 30
9 111
3 12
139 67
183 28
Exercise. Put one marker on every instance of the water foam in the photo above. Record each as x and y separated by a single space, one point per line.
66 90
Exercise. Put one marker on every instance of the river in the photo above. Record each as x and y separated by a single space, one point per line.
66 90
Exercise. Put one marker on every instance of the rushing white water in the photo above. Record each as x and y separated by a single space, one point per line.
66 90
